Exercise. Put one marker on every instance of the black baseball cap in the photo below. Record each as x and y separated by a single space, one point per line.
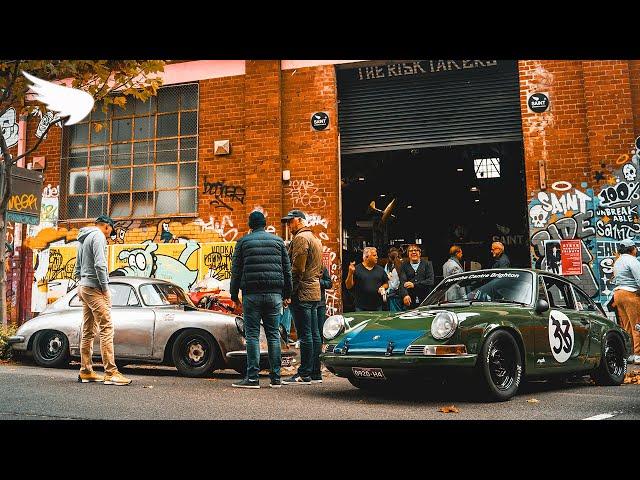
105 219
293 214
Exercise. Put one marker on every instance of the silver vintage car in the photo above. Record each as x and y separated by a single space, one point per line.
154 322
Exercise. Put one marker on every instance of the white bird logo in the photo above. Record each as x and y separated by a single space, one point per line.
68 102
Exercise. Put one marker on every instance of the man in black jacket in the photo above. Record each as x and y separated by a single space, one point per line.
416 278
261 269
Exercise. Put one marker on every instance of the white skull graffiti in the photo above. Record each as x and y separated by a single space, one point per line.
538 216
629 172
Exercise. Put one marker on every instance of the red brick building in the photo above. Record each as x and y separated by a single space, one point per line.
433 134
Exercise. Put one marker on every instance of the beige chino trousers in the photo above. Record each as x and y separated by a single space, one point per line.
96 312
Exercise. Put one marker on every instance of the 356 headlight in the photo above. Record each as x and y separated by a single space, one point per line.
443 325
333 326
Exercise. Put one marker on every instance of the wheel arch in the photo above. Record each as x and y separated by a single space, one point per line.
515 333
166 357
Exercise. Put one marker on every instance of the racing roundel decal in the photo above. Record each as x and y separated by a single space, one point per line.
561 336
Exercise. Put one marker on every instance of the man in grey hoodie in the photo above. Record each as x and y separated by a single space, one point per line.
93 291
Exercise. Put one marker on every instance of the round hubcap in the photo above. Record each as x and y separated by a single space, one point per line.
52 346
502 365
196 352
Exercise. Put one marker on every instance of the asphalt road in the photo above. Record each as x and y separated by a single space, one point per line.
30 392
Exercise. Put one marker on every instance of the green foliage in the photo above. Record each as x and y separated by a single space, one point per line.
108 81
5 333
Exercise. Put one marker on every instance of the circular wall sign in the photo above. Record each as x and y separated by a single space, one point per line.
561 336
319 121
538 102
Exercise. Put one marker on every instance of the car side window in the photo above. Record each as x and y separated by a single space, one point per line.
583 302
559 293
123 295
542 292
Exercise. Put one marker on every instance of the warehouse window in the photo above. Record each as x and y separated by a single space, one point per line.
141 163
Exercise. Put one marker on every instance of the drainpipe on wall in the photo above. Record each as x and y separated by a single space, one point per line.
18 252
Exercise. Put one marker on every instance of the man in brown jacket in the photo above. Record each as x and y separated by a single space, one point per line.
305 252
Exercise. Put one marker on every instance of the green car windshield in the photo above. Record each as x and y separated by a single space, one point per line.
492 286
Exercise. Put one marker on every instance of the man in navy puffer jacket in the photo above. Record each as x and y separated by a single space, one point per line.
261 269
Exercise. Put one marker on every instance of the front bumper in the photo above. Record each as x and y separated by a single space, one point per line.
399 365
15 340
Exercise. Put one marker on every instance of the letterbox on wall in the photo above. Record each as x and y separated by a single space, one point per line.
26 196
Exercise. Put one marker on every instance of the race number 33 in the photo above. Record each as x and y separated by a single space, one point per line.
561 336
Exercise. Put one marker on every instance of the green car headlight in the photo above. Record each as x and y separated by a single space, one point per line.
333 326
443 325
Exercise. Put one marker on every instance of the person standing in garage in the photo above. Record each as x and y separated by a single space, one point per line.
416 278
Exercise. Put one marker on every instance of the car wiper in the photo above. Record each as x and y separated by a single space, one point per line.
502 300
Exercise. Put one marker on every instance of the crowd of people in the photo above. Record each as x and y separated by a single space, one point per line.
403 285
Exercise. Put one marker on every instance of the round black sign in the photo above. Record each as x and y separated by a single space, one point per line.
319 121
538 102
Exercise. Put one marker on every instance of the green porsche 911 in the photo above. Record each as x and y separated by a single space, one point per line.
500 325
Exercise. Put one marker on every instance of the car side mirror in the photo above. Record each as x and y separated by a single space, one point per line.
541 306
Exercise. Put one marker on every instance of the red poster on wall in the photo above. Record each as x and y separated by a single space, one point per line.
326 260
571 255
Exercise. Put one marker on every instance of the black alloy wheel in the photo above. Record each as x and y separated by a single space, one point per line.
613 364
51 349
500 366
194 353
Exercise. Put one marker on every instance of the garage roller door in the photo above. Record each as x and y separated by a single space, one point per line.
427 103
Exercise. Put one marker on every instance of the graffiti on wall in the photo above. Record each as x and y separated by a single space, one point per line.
217 259
304 194
9 126
45 121
617 217
565 213
223 194
225 228
53 274
173 262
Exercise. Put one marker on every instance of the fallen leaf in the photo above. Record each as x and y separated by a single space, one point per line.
632 378
533 400
449 409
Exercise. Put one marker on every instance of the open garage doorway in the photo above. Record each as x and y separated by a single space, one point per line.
467 195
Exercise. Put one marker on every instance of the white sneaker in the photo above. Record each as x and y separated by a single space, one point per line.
631 359
636 360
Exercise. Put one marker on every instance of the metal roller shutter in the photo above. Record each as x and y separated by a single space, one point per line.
428 109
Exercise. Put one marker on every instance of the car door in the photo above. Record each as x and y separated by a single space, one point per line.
133 324
589 313
561 338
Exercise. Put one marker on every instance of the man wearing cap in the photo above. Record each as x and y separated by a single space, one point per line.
261 269
305 251
626 294
94 293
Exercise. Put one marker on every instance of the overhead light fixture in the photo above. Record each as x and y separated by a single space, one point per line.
474 189
460 169
477 200
361 179
409 206
382 195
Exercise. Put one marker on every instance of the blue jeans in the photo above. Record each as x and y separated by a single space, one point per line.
285 320
321 315
265 307
306 321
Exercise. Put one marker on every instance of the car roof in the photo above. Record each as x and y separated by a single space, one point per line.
136 281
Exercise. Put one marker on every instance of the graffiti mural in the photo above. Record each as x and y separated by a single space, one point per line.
53 274
45 121
223 193
216 260
9 127
173 262
617 218
565 213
